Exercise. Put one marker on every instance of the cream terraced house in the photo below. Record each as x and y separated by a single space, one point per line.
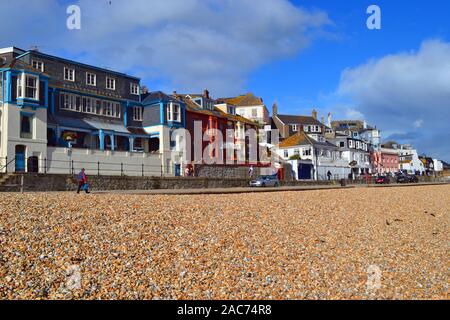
249 106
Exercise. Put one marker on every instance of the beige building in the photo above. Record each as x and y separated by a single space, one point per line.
249 106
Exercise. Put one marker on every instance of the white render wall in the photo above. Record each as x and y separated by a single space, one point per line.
59 162
339 168
415 164
438 165
10 133
247 112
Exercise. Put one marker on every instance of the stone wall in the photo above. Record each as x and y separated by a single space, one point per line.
236 171
54 182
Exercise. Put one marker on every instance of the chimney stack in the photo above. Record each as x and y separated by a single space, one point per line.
329 119
274 109
206 94
314 114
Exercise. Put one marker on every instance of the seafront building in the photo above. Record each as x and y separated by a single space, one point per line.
59 115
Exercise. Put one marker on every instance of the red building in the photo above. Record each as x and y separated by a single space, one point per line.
385 161
202 108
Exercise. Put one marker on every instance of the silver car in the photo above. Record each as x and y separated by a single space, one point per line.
265 181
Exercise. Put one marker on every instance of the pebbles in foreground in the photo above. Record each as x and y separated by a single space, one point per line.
371 243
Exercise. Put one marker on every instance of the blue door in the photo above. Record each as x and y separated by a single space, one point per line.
177 170
20 158
304 171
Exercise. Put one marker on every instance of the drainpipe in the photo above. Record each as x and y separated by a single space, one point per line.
316 171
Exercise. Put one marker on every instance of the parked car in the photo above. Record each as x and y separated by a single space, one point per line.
383 180
265 181
407 178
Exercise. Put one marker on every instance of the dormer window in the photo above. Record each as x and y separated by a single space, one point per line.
232 110
199 101
38 65
28 86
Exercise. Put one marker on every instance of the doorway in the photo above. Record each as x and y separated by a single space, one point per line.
20 158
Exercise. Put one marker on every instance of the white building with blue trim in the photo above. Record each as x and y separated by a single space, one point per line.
58 115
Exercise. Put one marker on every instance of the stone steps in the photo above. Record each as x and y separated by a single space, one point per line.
9 183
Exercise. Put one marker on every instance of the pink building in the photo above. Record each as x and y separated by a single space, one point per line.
385 161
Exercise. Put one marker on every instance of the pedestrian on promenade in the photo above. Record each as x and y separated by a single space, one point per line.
82 182
250 171
329 175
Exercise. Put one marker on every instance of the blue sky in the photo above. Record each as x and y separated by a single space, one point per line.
302 54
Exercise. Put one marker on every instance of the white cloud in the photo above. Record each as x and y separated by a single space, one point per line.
418 123
406 92
190 44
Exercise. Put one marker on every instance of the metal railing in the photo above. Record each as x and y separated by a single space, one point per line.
72 167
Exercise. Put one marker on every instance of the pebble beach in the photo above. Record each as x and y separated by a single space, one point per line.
361 243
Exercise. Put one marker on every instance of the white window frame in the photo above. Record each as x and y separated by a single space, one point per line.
171 113
351 144
70 76
22 85
116 110
38 65
138 113
110 81
94 77
134 89
294 127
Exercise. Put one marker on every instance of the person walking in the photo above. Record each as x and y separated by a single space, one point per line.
329 175
82 182
250 171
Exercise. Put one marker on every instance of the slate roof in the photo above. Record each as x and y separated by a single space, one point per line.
300 120
158 96
390 144
20 65
193 107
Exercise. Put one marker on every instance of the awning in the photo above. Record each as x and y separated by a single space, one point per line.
107 126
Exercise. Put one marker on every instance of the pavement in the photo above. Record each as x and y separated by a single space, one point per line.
255 189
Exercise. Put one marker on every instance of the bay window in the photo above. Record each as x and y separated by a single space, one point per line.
28 86
173 112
